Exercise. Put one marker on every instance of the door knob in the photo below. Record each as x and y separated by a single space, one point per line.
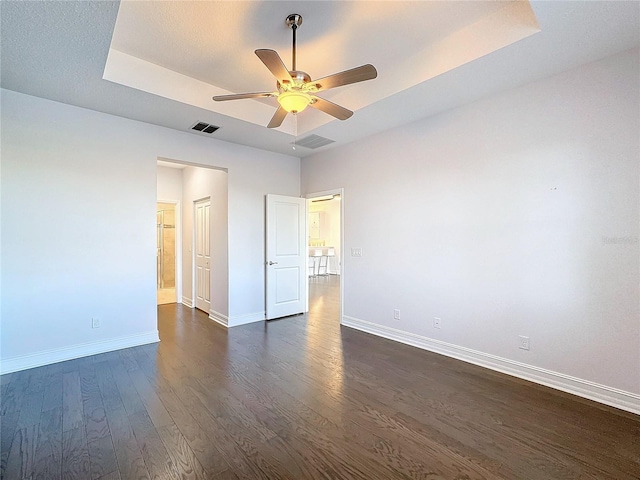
272 263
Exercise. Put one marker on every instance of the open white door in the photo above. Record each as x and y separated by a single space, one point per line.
203 255
286 256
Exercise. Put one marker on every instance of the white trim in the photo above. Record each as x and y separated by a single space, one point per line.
247 318
228 322
219 318
583 388
187 302
56 355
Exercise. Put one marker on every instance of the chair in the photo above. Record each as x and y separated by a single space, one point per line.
315 259
323 265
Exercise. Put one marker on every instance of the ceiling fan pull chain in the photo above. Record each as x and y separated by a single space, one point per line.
295 130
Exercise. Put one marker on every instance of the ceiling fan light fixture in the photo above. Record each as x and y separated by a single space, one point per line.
294 102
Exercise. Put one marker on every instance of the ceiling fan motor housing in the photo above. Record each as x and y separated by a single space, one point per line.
299 78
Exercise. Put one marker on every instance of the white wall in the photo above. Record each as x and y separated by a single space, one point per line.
169 184
516 215
78 215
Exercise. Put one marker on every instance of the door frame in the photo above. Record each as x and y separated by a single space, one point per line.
178 243
194 287
324 193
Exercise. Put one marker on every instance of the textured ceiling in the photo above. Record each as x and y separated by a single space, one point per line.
59 50
181 50
214 41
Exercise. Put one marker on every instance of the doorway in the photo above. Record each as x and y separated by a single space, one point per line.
166 253
184 185
325 265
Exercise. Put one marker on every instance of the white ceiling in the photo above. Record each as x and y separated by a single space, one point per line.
160 62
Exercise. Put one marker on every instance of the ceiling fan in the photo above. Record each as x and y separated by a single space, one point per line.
295 89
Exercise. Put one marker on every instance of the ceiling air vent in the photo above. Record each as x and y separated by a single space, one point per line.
313 141
204 127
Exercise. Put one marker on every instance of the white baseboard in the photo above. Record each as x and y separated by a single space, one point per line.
219 318
583 388
237 320
187 302
47 357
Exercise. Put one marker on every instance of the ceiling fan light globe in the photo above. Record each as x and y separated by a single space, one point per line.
294 102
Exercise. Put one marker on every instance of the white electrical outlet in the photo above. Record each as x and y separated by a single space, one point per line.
95 323
396 314
437 322
524 342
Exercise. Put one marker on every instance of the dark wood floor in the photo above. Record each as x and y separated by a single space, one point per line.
298 398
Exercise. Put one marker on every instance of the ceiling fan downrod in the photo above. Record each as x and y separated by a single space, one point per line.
293 21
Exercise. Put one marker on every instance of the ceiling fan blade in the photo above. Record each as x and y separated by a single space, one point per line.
331 108
358 74
274 63
277 118
238 96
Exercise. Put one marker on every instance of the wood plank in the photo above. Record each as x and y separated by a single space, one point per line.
126 389
13 393
154 406
38 376
102 457
95 422
21 460
130 461
52 397
75 455
232 414
8 424
91 396
127 359
112 476
155 455
183 458
111 399
206 451
239 449
73 412
48 461
226 475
